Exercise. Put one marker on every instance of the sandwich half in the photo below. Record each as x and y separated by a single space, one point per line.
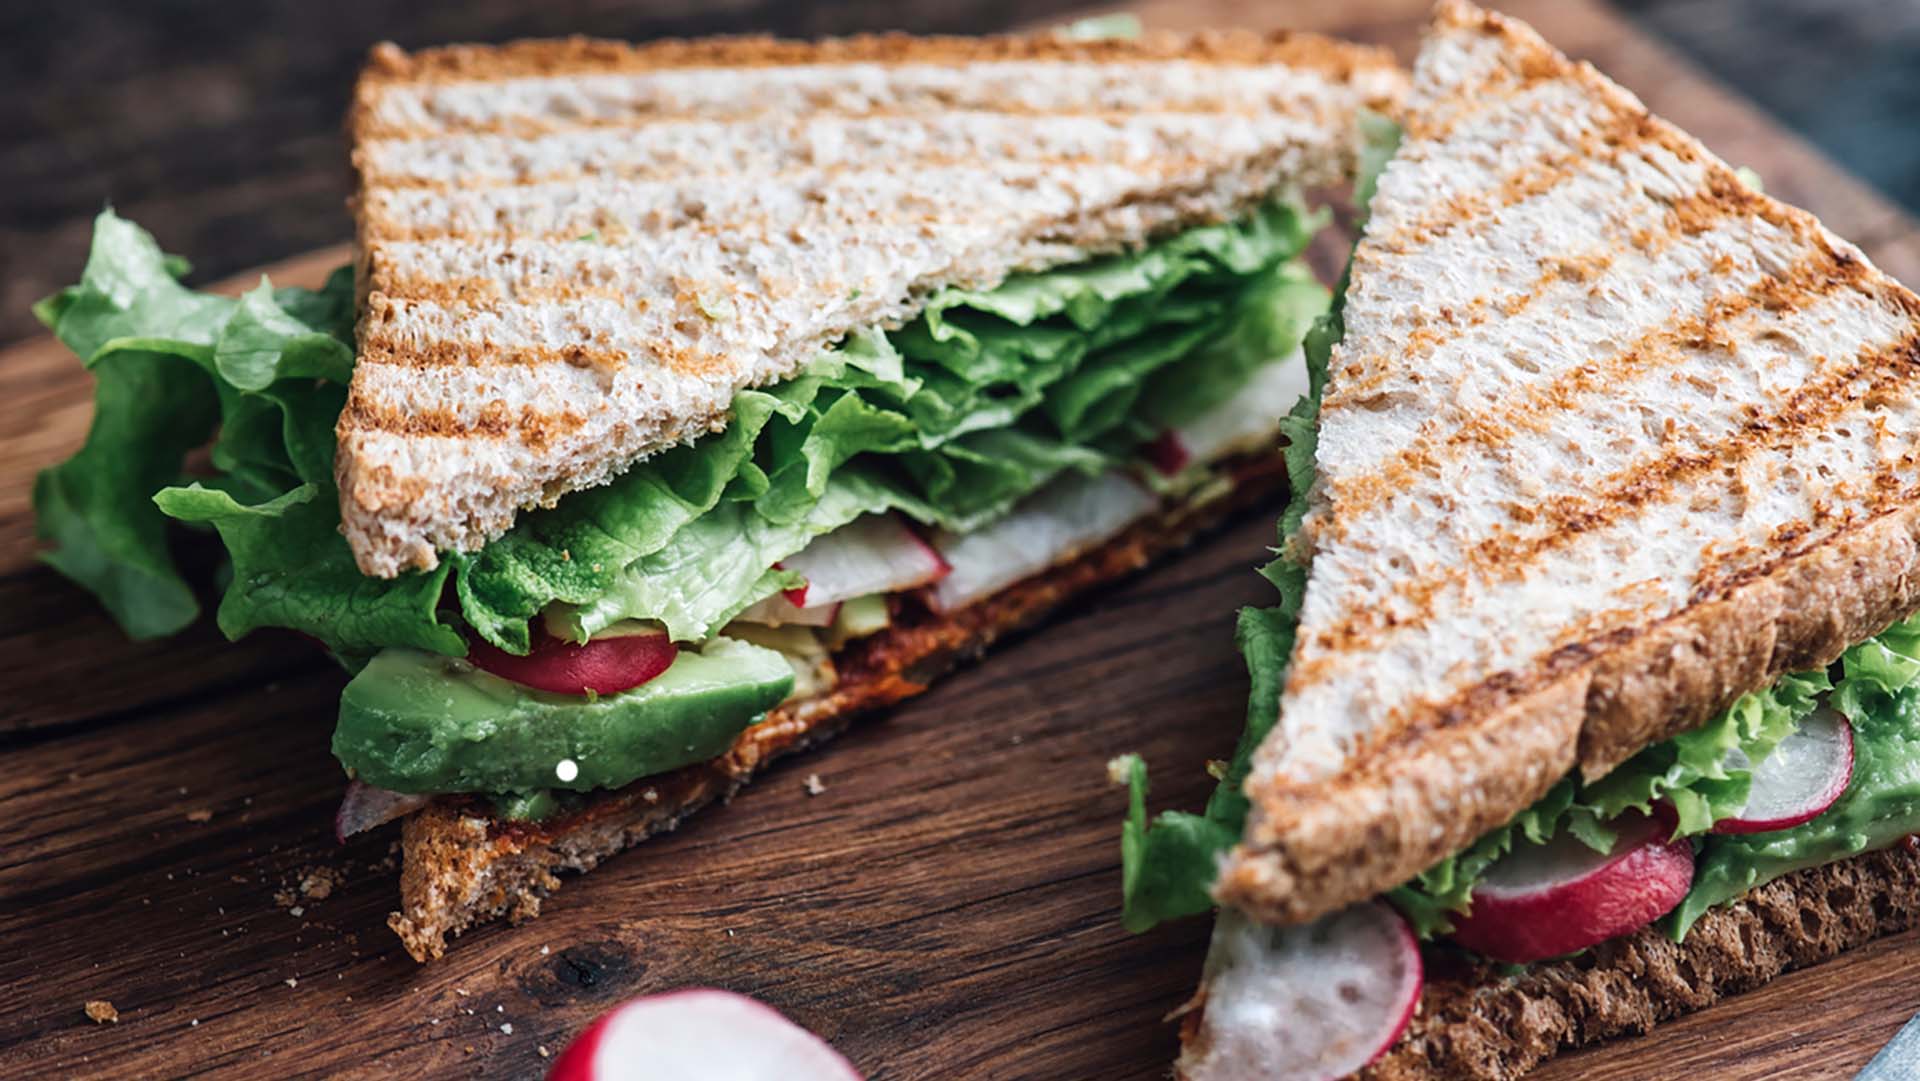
685 399
1594 690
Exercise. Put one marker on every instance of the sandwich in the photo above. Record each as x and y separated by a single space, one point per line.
1593 692
683 400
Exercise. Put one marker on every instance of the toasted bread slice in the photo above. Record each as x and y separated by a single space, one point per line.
1611 440
461 866
572 254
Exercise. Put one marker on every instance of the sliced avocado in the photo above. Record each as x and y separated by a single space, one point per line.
423 723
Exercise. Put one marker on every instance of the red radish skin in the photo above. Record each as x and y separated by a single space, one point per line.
601 665
1806 774
697 1035
1167 453
1549 900
1309 1003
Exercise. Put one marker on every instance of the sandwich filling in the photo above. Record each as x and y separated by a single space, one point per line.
637 627
1697 790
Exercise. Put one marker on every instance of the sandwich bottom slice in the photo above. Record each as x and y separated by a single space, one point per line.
640 648
1774 835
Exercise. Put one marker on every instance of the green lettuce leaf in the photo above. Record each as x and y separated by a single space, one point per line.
1878 690
162 356
952 419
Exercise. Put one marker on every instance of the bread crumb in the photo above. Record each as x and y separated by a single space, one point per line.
201 815
544 1053
319 883
506 1027
291 982
545 950
296 911
813 785
101 1012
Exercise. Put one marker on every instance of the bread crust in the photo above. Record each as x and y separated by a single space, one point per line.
1476 1024
1450 772
462 867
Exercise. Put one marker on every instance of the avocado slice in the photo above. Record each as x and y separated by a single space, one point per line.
423 723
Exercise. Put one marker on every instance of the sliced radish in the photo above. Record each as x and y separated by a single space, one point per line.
362 807
706 1034
779 611
1804 775
1053 525
1304 1003
1251 416
1167 454
876 553
607 664
1542 901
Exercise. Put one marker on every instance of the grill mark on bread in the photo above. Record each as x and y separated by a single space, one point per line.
388 64
1628 491
532 427
901 161
526 127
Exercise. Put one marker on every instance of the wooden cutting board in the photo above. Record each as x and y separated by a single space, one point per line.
945 908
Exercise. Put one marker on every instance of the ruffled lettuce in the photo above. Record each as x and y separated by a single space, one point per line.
950 419
1878 690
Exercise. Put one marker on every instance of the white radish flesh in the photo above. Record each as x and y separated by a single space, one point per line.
1804 776
876 553
1304 1003
1250 417
363 807
698 1035
1542 901
1067 517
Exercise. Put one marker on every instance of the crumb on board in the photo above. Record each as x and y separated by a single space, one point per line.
318 883
814 785
544 1053
101 1012
201 815
506 1027
291 982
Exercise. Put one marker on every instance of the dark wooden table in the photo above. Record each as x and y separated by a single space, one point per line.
946 908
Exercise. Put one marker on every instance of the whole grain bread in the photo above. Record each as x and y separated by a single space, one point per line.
461 866
1611 439
572 254
1476 1023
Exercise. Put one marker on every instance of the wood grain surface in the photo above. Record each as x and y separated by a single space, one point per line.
946 908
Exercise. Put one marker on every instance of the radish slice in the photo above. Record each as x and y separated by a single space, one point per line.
1250 417
1167 454
1542 901
778 611
1057 523
1804 775
711 1035
362 807
876 553
1304 1003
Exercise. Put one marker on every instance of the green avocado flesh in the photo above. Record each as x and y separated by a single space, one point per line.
418 722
